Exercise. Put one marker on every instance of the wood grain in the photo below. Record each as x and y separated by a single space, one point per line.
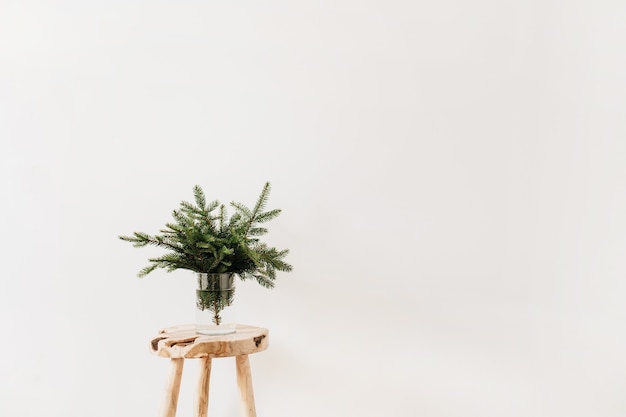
202 398
173 388
183 342
244 382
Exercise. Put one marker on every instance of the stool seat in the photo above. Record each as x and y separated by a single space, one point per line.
181 342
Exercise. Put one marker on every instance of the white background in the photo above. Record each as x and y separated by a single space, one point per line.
452 179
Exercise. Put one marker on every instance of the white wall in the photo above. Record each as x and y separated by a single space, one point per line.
451 174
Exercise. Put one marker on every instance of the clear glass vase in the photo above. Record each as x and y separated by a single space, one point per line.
215 312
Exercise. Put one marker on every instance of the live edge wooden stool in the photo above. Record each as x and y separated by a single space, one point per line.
181 342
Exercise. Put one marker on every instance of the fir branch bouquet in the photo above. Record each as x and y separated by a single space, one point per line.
204 239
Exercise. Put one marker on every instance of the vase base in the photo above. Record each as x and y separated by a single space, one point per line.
215 330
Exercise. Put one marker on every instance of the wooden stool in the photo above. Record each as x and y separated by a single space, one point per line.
181 342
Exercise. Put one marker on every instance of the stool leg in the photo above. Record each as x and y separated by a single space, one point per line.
244 381
171 396
202 400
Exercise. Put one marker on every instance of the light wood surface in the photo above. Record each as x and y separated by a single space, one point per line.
244 381
183 342
202 398
173 388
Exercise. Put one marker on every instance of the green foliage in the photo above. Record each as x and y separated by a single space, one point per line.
215 292
215 302
203 238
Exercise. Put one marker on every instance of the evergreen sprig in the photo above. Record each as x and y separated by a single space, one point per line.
203 238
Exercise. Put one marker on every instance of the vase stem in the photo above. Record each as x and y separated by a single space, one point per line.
214 302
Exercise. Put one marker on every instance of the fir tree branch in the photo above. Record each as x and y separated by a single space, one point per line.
196 242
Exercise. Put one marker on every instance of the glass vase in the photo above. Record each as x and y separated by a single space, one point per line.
215 312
